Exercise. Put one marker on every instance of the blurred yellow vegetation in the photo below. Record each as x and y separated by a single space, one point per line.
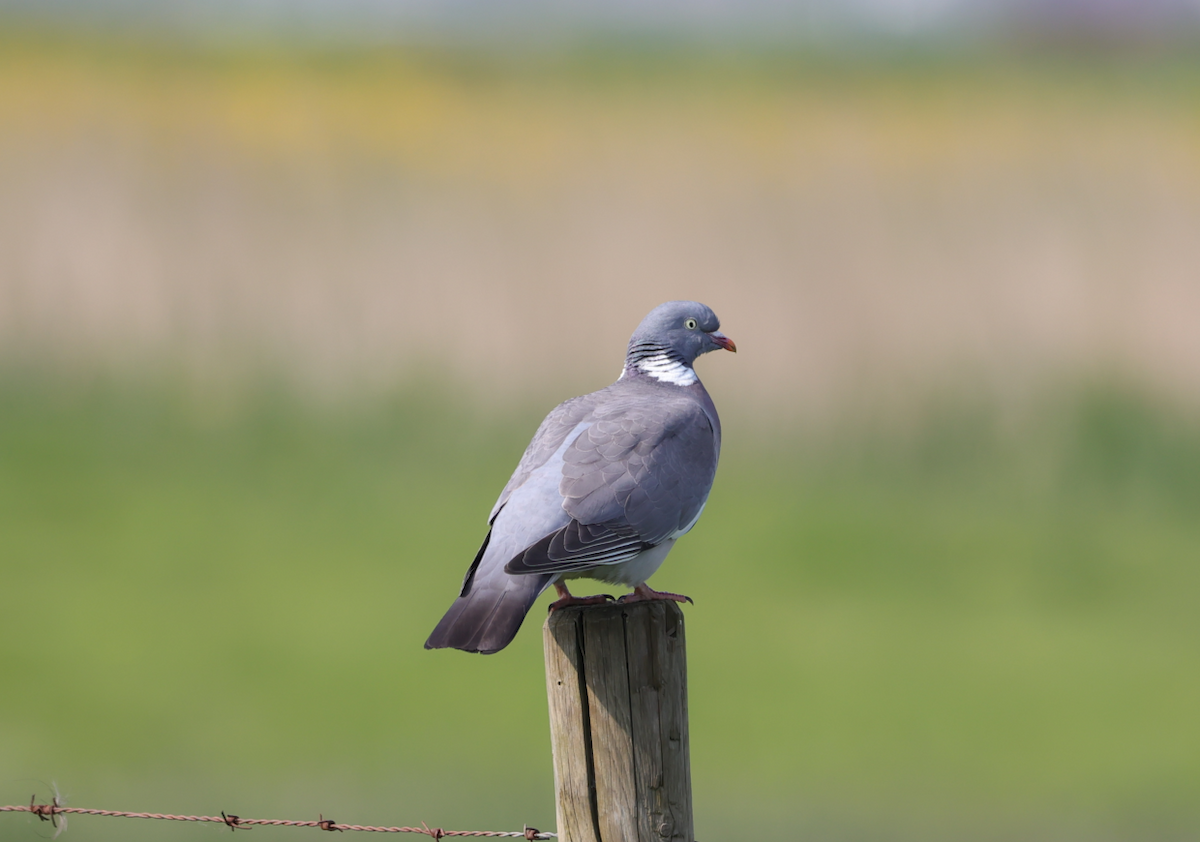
513 124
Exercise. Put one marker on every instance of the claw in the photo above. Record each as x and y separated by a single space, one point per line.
644 593
566 599
566 602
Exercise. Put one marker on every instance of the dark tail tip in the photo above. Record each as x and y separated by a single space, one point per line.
487 619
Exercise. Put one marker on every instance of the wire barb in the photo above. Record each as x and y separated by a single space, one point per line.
45 812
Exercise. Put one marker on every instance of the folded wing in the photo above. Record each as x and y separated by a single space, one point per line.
636 476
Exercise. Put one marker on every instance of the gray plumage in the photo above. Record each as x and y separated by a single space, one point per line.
609 482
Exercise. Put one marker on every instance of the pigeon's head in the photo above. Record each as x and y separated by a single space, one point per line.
676 332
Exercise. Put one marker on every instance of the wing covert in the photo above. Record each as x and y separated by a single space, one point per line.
646 468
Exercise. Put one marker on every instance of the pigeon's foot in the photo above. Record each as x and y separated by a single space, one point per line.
644 593
566 599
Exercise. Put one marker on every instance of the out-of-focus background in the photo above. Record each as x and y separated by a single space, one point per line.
285 288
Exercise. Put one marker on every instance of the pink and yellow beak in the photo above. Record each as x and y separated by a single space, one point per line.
723 341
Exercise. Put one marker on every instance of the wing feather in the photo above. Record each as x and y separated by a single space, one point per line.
576 547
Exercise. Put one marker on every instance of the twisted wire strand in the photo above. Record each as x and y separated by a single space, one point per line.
47 812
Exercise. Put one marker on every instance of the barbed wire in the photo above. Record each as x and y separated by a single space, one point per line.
49 812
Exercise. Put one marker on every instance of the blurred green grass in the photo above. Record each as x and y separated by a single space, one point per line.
968 629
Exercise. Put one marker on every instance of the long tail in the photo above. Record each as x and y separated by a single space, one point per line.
488 617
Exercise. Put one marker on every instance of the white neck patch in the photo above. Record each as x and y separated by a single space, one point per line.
663 368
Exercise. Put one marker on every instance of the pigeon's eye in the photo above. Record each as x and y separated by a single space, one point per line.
690 324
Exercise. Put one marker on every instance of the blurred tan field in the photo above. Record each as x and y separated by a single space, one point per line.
351 217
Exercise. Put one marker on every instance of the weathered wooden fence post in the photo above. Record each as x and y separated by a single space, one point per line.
616 676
